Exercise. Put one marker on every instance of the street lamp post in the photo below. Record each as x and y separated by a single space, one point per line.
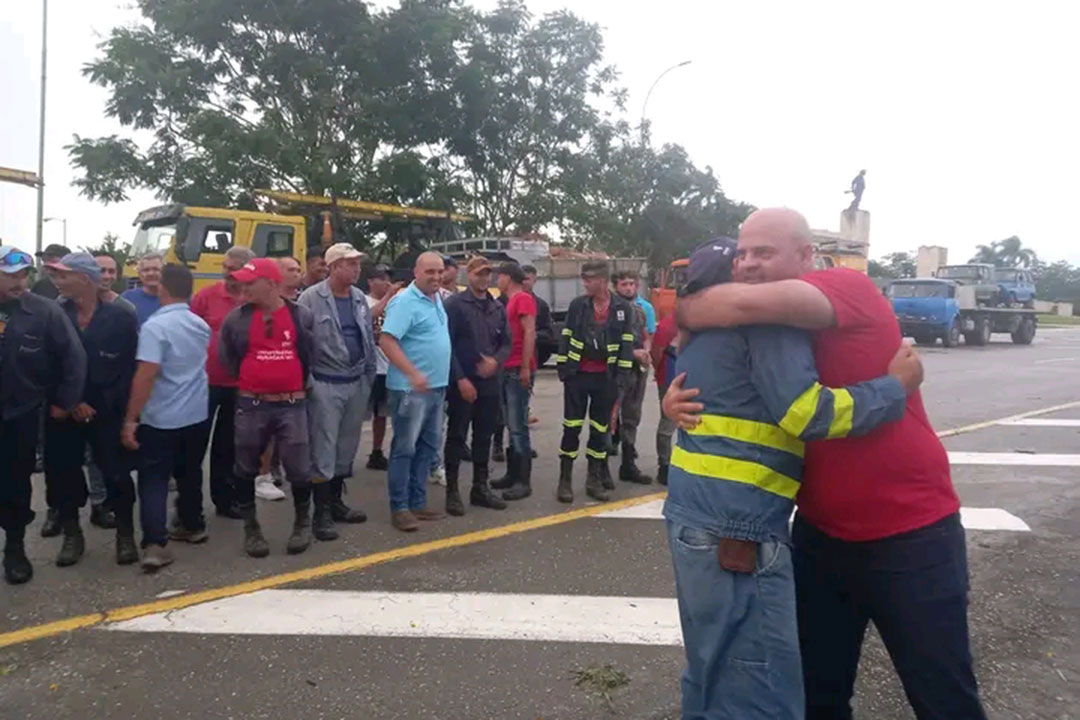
645 104
41 127
62 220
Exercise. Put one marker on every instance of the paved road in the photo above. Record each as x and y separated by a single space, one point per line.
493 615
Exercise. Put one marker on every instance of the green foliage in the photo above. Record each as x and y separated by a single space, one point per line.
1009 252
1057 281
496 114
894 266
111 245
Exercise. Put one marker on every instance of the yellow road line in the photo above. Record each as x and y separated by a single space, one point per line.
45 630
990 423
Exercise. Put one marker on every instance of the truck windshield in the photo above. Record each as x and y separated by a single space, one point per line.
919 290
959 272
152 239
1009 276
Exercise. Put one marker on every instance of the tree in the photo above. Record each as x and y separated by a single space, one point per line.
1009 252
1057 281
894 266
121 252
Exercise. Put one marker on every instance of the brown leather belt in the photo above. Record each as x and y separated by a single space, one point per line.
274 397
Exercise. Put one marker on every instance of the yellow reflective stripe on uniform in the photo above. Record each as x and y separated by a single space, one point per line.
572 423
733 470
560 359
598 426
576 343
611 360
801 412
628 337
568 453
613 348
573 356
598 454
749 431
843 410
567 331
626 363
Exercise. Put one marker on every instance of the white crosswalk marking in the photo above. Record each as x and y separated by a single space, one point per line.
509 616
1014 458
1043 422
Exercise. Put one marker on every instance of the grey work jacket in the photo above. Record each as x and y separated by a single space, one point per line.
331 356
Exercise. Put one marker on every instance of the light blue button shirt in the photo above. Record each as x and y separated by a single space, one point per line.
175 339
419 325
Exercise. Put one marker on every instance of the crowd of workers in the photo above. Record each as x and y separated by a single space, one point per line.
782 384
274 370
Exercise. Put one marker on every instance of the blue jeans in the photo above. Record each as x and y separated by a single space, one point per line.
914 587
417 422
161 454
739 629
516 404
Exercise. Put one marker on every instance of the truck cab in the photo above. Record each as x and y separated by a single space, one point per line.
1017 287
980 276
927 309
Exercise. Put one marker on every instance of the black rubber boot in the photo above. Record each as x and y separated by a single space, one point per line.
661 475
454 506
342 512
507 480
255 544
74 543
565 492
481 495
323 525
51 526
523 487
605 475
300 539
102 516
377 461
497 454
17 567
594 481
127 552
628 470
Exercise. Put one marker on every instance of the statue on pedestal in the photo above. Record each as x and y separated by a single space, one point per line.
858 185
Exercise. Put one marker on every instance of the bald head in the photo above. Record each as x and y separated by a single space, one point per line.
774 244
428 272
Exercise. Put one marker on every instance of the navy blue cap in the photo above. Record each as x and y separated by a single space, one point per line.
710 264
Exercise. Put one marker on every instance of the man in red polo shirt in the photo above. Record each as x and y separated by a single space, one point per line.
877 536
212 304
266 344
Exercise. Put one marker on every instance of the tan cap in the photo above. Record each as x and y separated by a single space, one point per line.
478 263
341 251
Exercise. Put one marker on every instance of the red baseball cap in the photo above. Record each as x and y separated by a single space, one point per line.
258 268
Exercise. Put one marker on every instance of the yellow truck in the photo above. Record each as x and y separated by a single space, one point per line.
200 236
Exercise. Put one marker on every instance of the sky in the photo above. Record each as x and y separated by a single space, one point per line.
960 112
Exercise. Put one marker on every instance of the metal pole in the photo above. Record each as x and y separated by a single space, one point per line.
645 104
65 231
41 126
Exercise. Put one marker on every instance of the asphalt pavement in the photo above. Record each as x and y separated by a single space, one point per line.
541 611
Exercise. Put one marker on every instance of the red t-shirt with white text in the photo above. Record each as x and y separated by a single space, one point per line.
272 364
521 305
896 478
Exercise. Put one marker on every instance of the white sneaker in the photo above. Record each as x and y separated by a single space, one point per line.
438 476
266 490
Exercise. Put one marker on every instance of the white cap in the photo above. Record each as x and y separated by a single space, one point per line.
341 251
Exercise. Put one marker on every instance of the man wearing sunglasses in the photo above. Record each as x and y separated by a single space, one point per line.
41 359
267 345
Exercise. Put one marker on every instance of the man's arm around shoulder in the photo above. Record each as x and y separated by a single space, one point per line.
795 303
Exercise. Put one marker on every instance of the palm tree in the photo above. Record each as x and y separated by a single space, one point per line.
1009 252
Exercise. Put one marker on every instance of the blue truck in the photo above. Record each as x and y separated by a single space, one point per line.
933 308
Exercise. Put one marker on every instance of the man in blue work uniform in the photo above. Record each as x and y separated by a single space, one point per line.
732 484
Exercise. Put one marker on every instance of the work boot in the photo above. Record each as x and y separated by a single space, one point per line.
300 539
565 492
227 510
127 552
428 515
17 567
404 521
377 461
594 480
156 557
74 543
323 524
497 454
507 480
605 475
255 544
661 475
481 496
454 506
523 487
628 470
340 511
51 526
102 516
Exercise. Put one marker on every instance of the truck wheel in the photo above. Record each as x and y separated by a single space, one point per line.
952 338
1024 334
981 335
